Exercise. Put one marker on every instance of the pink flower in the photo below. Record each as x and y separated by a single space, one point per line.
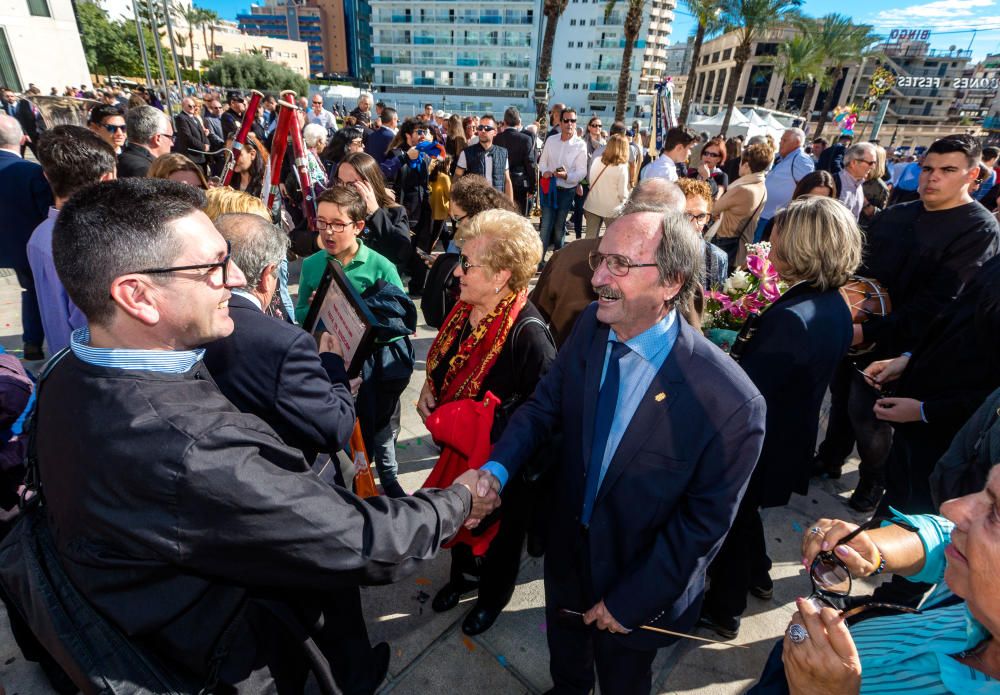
757 265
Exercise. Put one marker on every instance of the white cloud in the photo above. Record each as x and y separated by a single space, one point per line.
939 15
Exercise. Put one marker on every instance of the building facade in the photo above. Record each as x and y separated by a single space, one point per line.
459 56
40 44
587 56
292 54
319 23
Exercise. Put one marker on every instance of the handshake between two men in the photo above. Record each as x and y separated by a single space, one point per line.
485 491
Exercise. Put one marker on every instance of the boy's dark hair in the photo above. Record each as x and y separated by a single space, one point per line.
679 136
966 144
991 153
73 157
102 111
347 199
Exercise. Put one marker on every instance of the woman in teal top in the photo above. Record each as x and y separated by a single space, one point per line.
948 648
340 218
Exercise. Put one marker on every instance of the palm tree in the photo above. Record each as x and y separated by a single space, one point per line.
632 26
192 16
842 42
750 19
552 9
798 60
209 18
707 13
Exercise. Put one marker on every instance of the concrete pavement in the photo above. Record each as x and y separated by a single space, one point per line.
429 652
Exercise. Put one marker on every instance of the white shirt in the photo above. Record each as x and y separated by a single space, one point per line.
570 154
783 178
663 167
852 195
488 163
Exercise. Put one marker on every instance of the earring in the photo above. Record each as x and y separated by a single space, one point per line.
496 290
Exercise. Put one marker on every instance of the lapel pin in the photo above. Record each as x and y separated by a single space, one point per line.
660 397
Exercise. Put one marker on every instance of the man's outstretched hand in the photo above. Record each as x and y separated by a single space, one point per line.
485 491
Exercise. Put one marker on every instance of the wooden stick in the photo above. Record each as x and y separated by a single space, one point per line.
672 633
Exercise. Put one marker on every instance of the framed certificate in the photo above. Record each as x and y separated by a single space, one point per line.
340 310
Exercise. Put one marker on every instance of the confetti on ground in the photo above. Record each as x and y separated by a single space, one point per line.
469 644
421 597
423 581
502 659
418 441
796 527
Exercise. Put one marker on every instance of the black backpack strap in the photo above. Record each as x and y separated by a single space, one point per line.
32 493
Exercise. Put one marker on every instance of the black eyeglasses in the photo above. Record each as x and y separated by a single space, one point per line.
335 227
618 265
595 125
711 154
456 220
172 136
113 128
224 264
420 132
464 263
569 120
831 578
487 128
699 219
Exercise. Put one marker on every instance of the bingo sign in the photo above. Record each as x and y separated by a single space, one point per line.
909 34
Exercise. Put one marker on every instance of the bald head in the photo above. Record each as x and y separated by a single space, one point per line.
655 194
11 134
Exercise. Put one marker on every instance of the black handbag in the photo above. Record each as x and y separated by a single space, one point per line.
48 613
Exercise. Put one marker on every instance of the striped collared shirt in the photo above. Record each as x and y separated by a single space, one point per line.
166 361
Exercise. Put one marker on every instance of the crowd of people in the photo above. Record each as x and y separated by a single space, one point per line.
191 457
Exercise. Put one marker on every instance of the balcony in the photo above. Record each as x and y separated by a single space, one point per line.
992 122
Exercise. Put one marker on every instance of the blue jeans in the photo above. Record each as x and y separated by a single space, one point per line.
286 299
553 226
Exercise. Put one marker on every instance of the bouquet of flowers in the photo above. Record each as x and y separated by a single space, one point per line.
745 292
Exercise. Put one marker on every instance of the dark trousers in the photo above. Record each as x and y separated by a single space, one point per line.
852 419
578 202
497 569
772 680
422 239
521 194
742 562
31 317
731 245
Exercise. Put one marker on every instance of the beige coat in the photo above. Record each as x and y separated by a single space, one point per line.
740 207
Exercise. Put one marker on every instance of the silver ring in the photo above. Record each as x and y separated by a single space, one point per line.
816 531
797 633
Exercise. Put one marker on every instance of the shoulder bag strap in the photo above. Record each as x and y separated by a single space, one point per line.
597 178
32 493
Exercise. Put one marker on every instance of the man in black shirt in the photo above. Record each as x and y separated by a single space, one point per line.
923 252
520 148
232 119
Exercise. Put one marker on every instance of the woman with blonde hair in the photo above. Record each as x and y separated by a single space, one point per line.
493 340
609 184
875 189
177 167
790 352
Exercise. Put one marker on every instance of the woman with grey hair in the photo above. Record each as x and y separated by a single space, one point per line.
790 352
314 136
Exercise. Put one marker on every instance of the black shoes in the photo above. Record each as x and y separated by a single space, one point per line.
33 353
764 590
479 620
726 628
866 497
450 594
380 655
823 469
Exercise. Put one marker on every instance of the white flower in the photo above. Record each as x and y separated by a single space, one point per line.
739 280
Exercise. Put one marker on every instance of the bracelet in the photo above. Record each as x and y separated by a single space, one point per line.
881 563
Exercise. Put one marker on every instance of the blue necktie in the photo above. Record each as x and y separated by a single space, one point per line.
607 401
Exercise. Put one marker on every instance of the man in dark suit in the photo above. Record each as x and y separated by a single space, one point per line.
27 115
271 369
661 432
25 199
233 117
832 158
377 144
520 157
192 136
150 134
212 116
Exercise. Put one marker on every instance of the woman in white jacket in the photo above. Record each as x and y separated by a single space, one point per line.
609 184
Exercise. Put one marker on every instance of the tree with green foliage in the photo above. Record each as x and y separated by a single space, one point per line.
799 60
751 20
708 13
106 45
255 72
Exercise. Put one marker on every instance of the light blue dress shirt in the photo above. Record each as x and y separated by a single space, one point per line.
60 316
648 351
165 361
783 178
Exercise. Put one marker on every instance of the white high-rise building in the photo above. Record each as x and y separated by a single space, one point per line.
40 44
586 58
465 57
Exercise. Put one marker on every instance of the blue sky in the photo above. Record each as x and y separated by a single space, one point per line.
950 21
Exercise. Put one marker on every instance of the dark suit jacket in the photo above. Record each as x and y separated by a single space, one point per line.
832 159
377 144
134 161
670 494
796 345
563 289
25 199
29 120
270 368
520 157
231 122
215 139
191 139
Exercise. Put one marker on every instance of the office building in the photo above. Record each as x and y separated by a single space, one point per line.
467 57
40 44
291 54
587 56
320 23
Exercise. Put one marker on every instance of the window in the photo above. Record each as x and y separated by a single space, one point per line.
593 22
8 72
579 44
572 22
39 8
727 54
577 66
569 66
576 85
566 84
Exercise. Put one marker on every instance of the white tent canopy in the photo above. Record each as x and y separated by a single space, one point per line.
738 125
